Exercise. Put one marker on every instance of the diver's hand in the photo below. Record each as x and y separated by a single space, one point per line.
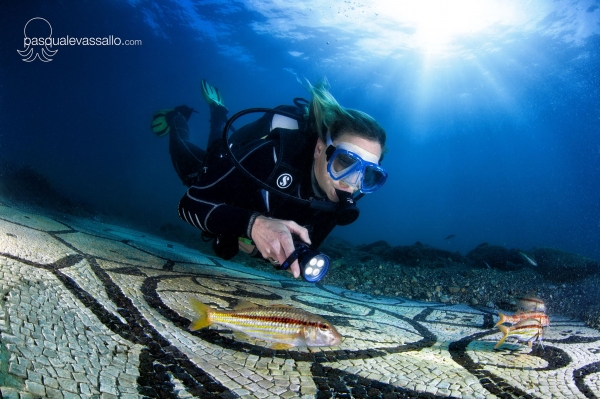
273 238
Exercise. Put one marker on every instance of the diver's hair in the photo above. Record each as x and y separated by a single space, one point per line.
325 114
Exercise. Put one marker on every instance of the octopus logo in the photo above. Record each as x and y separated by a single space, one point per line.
284 180
37 47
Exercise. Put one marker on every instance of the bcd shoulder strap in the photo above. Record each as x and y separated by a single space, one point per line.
293 157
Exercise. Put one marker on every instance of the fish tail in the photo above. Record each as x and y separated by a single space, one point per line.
203 313
504 330
502 319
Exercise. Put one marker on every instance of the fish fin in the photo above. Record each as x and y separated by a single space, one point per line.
281 345
500 342
203 312
240 336
504 331
502 319
287 337
243 304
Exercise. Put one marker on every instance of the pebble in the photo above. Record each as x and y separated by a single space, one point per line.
454 290
474 301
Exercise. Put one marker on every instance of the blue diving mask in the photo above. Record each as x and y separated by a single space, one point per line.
360 171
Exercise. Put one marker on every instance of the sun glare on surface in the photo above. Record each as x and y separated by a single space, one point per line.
437 23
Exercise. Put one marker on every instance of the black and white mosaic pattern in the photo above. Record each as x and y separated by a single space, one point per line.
94 310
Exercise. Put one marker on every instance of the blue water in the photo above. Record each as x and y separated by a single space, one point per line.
494 134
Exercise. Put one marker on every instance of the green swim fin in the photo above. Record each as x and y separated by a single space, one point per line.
159 125
211 94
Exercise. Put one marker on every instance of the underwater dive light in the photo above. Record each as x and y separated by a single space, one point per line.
313 264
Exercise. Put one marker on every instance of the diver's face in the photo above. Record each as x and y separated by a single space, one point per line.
359 145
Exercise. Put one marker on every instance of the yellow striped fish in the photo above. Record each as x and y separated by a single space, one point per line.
529 330
283 325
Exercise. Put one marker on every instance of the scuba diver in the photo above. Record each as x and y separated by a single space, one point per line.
275 187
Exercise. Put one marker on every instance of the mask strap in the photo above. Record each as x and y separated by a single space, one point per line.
330 147
329 152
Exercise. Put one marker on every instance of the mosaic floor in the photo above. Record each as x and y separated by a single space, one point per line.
94 310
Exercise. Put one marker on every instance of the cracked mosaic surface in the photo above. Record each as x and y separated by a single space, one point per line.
94 310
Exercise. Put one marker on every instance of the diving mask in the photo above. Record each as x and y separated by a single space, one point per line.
354 166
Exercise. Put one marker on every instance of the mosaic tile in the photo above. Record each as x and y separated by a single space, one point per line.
17 217
83 275
94 310
31 245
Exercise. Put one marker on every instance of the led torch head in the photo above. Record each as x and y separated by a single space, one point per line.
313 264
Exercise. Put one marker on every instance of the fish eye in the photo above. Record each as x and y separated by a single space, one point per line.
324 327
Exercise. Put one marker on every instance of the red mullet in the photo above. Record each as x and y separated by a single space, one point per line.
282 325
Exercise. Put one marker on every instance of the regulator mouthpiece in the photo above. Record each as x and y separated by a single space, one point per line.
347 211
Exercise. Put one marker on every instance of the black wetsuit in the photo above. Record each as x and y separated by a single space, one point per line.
221 201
